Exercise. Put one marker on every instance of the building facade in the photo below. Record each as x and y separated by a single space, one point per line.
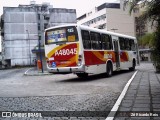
111 17
23 30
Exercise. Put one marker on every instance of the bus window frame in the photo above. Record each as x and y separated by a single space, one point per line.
127 44
110 42
122 41
132 42
59 42
86 40
96 40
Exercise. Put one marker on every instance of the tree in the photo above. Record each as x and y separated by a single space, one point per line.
147 40
151 13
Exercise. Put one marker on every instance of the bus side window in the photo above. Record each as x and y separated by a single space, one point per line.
122 43
106 42
132 44
95 40
86 39
127 45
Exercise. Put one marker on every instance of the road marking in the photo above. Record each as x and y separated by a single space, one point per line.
118 102
27 71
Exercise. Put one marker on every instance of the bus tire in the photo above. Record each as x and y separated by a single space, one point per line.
109 69
133 66
82 75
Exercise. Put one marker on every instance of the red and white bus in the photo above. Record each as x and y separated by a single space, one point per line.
83 50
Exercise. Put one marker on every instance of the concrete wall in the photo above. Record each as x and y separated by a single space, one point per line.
21 26
62 16
120 20
16 38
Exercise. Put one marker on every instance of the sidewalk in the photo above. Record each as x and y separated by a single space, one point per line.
35 72
142 100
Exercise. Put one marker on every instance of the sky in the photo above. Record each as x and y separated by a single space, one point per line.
81 6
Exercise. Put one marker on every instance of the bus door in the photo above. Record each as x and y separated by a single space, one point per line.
116 50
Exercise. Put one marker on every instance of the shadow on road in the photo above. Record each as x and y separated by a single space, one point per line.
95 77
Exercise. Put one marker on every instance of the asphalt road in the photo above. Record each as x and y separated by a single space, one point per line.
59 92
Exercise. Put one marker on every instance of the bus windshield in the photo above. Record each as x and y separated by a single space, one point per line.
60 35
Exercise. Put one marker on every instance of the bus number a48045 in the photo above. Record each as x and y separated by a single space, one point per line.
66 52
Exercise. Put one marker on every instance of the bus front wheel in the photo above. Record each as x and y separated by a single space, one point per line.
82 75
109 71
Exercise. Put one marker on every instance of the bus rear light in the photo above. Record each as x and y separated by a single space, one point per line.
79 60
80 56
49 63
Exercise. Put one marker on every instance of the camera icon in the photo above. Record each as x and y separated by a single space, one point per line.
6 114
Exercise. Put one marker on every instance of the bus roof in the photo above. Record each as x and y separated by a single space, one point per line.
93 29
64 25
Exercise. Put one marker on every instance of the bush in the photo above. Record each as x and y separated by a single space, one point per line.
156 50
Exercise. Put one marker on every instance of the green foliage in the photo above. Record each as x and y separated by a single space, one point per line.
147 40
151 13
156 49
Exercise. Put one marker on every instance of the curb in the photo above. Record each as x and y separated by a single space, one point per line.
27 71
36 74
113 111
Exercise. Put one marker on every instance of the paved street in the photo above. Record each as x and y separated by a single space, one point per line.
59 92
68 93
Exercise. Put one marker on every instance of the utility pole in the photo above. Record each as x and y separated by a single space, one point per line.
29 46
42 37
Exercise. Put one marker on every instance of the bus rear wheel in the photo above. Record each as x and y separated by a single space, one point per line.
133 66
109 68
82 75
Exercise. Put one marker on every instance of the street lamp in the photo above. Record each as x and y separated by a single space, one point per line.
42 34
29 47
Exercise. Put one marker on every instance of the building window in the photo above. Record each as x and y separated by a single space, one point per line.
89 13
45 25
39 37
39 17
92 21
43 8
39 27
